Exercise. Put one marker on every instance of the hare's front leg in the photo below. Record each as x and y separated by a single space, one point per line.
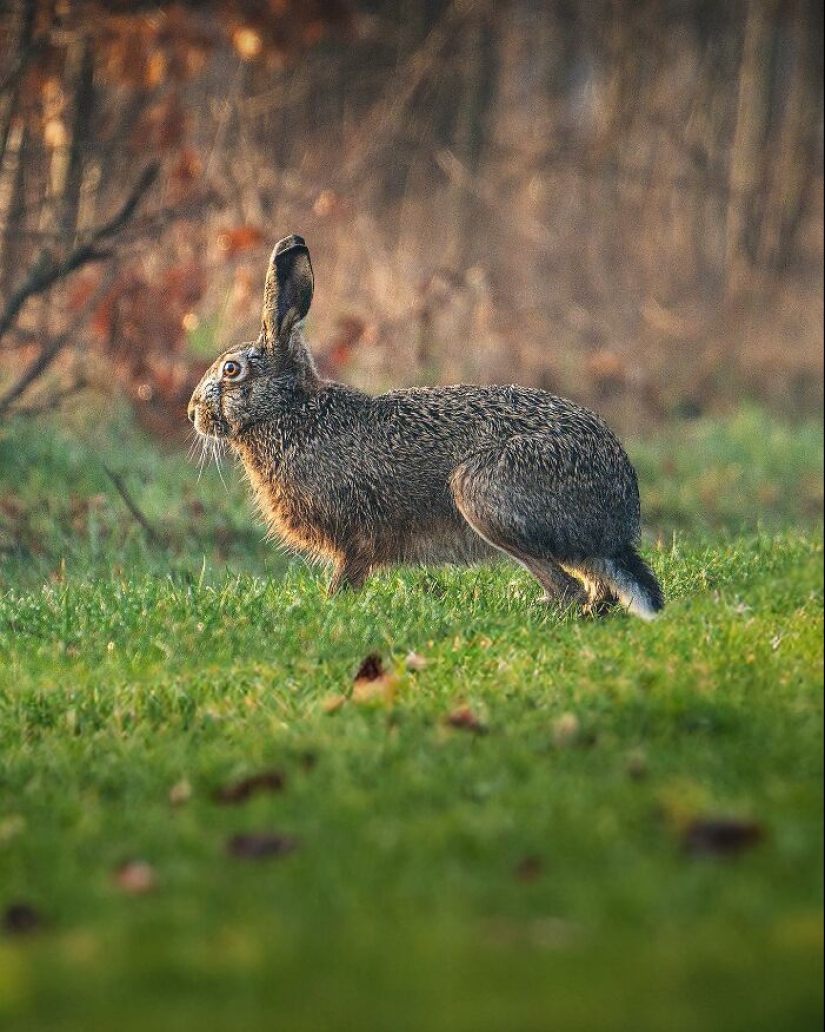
349 572
502 506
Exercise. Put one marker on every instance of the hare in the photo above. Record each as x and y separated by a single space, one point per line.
426 475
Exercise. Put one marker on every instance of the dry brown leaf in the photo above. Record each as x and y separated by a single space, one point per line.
530 869
136 878
415 661
333 703
261 846
21 919
373 683
241 791
380 690
464 719
371 669
723 837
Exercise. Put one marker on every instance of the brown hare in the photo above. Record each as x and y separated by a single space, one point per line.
427 475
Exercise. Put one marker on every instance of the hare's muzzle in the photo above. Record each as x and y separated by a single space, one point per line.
199 415
207 421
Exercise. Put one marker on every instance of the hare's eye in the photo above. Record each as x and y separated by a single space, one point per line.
232 370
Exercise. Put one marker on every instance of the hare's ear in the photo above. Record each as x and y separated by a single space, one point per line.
288 293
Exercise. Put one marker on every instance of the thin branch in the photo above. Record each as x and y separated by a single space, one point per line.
156 221
52 401
150 532
50 351
34 372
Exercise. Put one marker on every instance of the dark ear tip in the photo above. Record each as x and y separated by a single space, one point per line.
290 243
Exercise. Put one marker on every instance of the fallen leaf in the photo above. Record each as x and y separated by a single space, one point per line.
415 661
382 690
21 919
371 669
465 720
721 836
373 683
261 846
333 703
241 791
530 869
136 878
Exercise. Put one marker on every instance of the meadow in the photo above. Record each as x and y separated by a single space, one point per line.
435 805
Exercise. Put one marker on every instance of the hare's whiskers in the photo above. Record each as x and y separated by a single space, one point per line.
204 456
217 454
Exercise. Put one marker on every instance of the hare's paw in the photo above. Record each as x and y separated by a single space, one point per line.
600 607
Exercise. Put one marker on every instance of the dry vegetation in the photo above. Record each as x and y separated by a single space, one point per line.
621 201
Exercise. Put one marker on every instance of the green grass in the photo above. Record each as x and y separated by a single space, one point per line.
126 670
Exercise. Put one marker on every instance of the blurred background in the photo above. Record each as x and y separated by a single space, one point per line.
617 200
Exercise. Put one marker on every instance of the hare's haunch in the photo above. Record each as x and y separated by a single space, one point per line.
437 475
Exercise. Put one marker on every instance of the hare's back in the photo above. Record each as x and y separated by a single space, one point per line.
467 416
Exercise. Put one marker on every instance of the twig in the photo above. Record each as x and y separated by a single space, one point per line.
378 124
152 535
50 352
51 401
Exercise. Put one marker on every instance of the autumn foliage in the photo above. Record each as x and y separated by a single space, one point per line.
617 200
104 239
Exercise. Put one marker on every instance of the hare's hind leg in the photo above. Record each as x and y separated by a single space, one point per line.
601 597
496 516
559 587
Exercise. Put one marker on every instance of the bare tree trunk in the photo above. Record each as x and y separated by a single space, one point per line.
790 167
477 59
14 209
12 142
84 102
747 150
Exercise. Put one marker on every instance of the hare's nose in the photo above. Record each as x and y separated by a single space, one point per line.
191 412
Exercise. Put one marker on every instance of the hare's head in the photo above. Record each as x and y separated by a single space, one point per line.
247 384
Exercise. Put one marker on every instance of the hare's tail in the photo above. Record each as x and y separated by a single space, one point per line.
634 583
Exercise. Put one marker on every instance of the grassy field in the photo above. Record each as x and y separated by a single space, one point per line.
513 829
